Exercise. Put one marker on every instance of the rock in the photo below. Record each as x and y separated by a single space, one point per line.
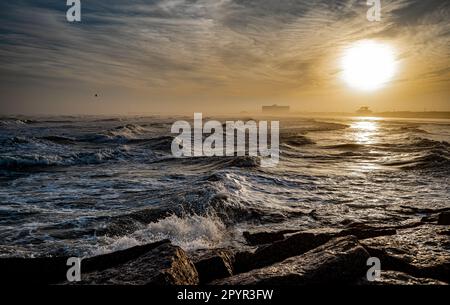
45 270
110 260
164 265
430 218
213 264
299 243
444 218
260 238
51 270
341 260
293 245
421 252
362 231
399 278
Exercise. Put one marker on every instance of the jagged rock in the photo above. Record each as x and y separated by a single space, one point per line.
260 238
341 260
444 218
293 245
430 218
420 251
45 270
362 231
51 270
213 264
301 242
388 277
164 265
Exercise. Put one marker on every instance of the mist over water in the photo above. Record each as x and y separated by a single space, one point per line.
89 185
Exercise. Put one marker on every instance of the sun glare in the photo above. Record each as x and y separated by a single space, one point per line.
368 65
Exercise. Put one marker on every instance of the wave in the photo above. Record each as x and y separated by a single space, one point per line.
295 140
437 159
25 162
414 129
347 146
189 232
59 139
15 122
120 134
413 143
243 162
162 143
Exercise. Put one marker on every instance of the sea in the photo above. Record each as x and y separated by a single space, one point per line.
87 185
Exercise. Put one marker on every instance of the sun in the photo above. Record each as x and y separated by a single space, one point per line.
368 65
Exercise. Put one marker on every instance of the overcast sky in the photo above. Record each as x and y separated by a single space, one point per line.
182 56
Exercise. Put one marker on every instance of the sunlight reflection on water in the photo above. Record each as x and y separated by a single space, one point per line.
364 131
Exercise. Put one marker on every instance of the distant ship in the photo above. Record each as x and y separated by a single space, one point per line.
275 109
364 111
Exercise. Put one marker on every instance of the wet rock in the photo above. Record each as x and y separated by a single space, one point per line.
430 218
111 260
245 162
362 231
129 223
418 210
260 238
420 251
341 260
444 218
164 265
399 278
45 270
298 243
213 264
51 270
293 245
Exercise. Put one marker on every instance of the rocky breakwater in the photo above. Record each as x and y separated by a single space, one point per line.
415 252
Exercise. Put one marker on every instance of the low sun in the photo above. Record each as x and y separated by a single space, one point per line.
368 65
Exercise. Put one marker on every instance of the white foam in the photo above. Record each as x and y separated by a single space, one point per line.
189 232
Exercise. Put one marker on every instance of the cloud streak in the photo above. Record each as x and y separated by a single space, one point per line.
237 48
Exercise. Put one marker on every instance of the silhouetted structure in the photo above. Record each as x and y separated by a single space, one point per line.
364 111
275 109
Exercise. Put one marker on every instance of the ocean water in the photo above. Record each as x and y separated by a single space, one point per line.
90 185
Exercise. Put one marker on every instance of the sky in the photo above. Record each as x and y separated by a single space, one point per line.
215 56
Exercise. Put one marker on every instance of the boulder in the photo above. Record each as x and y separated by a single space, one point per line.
213 264
388 277
444 218
420 251
164 265
301 242
341 260
264 237
51 270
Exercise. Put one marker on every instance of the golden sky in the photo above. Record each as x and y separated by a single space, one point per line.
181 56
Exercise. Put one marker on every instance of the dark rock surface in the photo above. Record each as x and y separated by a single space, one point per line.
341 260
414 252
388 277
213 264
260 238
299 243
421 251
52 270
444 218
164 265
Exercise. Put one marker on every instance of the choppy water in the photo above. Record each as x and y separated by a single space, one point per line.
86 185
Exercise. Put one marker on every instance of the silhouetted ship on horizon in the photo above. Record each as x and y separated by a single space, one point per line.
275 109
364 111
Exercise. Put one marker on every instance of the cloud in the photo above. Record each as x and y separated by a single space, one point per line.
179 47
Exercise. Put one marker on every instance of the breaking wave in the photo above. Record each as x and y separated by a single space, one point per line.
24 162
189 232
